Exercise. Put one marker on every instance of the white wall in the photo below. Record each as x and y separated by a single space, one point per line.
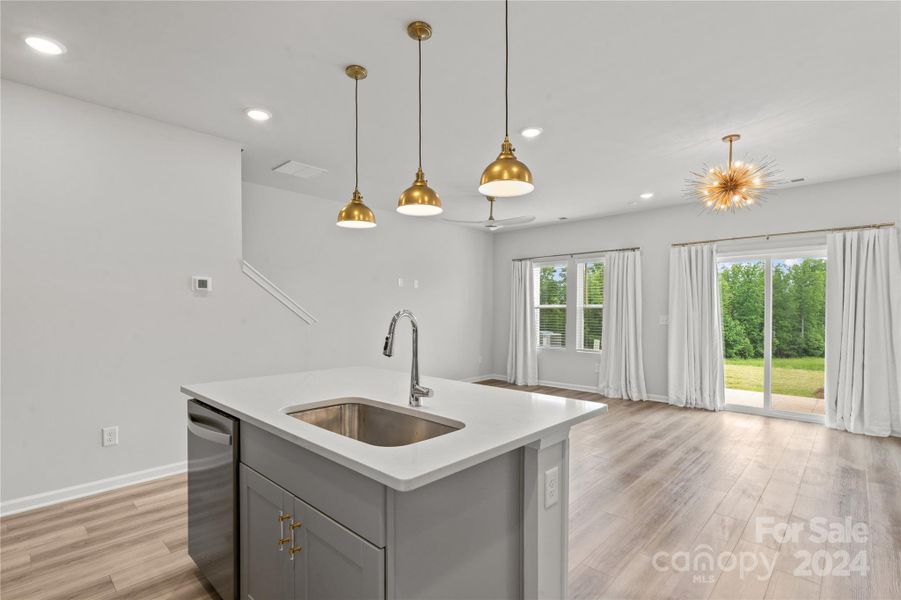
105 218
848 202
348 280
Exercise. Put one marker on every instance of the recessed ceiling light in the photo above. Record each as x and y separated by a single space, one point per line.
646 195
45 45
531 132
258 114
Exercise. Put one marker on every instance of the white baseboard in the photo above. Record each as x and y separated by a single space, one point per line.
569 386
594 389
565 386
485 377
560 384
17 505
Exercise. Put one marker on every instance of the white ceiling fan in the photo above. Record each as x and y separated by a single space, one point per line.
491 223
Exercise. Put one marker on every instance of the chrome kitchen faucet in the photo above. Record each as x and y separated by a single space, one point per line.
416 391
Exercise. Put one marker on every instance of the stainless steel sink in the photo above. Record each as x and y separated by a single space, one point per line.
373 424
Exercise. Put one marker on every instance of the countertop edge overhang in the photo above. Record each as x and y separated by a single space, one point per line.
497 420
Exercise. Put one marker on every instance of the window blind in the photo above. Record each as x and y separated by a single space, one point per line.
590 304
549 284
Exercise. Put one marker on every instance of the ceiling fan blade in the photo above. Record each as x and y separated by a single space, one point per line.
464 222
515 220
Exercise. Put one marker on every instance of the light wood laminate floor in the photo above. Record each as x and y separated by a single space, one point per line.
648 480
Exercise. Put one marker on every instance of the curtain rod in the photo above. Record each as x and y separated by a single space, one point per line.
571 254
770 235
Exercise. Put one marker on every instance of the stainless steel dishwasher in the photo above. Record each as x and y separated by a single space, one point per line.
213 496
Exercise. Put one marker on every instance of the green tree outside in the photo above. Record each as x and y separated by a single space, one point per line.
799 308
799 324
592 294
552 290
552 286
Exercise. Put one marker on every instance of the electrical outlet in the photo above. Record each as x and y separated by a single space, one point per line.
110 436
551 487
664 319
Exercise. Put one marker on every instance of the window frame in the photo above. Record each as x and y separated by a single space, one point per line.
581 269
536 306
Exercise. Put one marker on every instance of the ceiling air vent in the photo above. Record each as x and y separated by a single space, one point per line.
792 181
299 169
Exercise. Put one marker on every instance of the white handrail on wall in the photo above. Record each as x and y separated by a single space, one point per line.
278 293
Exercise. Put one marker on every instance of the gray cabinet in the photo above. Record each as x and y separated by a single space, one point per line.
265 508
290 550
336 563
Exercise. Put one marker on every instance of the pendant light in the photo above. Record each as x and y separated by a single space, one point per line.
355 214
419 199
506 176
737 185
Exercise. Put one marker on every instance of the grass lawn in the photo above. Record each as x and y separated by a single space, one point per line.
792 376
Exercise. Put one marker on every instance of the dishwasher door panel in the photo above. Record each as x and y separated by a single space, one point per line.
212 496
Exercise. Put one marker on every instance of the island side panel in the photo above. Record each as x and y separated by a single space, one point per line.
545 528
459 537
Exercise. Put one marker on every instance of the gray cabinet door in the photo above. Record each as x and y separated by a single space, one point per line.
334 563
266 568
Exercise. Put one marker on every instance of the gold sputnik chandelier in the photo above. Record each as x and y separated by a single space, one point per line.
355 214
740 184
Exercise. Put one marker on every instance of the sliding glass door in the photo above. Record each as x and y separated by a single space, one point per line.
774 318
743 298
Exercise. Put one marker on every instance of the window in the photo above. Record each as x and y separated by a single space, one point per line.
549 285
590 304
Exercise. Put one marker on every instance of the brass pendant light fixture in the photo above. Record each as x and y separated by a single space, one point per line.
355 214
419 200
737 185
506 176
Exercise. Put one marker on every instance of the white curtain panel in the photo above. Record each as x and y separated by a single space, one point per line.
622 364
863 332
522 355
695 354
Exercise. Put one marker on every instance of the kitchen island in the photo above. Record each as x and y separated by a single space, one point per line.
463 497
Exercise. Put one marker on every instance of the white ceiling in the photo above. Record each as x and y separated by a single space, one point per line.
631 95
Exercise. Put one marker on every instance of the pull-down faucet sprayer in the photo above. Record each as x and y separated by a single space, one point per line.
416 391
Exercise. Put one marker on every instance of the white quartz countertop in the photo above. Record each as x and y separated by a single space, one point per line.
496 420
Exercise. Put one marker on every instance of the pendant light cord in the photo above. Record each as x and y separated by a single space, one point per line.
420 103
506 69
730 155
356 138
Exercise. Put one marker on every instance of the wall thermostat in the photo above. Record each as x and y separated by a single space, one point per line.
201 284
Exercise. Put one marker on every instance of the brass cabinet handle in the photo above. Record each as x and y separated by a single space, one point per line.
282 517
293 549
